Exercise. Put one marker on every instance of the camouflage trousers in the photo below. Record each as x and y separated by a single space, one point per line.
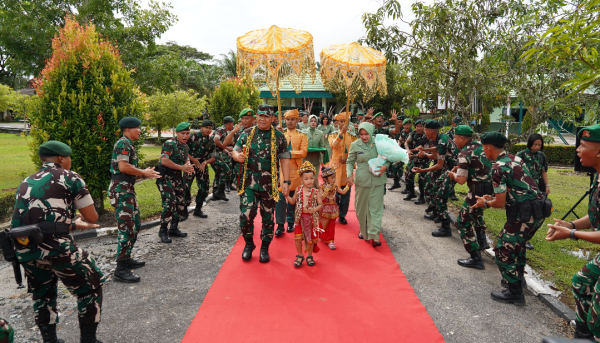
250 200
586 290
222 167
429 187
510 248
409 175
469 222
442 189
396 170
172 192
128 221
203 183
59 258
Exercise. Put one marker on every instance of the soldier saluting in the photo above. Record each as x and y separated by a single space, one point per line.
44 213
121 192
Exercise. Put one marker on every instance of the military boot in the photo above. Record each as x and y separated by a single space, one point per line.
411 194
279 230
438 219
163 233
123 274
482 240
250 246
220 194
184 215
264 252
521 273
453 195
512 295
49 334
232 187
406 190
583 331
134 264
421 200
88 333
430 208
227 189
198 212
529 246
474 261
430 216
444 231
174 230
396 184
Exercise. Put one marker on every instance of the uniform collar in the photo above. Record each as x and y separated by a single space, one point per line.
52 165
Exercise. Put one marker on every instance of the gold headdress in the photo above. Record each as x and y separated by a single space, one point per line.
307 166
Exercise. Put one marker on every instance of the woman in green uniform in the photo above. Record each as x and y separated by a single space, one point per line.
315 140
368 200
327 129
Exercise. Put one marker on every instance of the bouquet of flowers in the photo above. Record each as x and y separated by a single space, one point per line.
388 150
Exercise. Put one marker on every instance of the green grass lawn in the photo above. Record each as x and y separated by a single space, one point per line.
551 259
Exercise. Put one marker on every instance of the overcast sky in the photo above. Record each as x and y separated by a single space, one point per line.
213 26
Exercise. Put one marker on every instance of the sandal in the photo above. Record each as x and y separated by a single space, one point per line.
299 261
309 261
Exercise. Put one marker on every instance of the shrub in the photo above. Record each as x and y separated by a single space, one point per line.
7 202
230 98
168 110
555 154
149 163
485 122
526 123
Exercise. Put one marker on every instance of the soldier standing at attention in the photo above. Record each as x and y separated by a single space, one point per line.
173 160
476 170
516 190
416 138
261 150
49 199
202 152
121 192
222 165
246 120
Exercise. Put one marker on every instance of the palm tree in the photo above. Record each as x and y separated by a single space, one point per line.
228 63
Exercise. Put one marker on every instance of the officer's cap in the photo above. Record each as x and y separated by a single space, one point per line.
433 124
206 123
182 126
228 119
55 148
463 130
129 122
590 133
493 137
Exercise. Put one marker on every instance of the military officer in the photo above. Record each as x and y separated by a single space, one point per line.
261 150
201 153
121 192
222 165
415 139
476 170
49 199
246 122
174 160
457 120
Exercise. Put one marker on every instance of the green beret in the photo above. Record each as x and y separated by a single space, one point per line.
129 122
433 124
182 126
276 113
419 122
247 112
379 114
407 121
463 130
457 120
228 119
493 137
55 148
207 122
590 133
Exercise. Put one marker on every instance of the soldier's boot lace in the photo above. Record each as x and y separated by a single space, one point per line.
88 333
444 230
134 264
123 274
264 252
198 212
583 331
512 295
482 240
474 261
49 334
250 246
163 233
174 230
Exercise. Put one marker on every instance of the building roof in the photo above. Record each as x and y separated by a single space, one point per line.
309 90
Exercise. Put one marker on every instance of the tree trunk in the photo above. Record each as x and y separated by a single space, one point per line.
534 121
159 142
99 203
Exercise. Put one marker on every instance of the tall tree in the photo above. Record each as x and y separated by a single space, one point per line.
229 63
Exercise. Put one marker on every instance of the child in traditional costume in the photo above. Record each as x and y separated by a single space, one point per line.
306 225
330 210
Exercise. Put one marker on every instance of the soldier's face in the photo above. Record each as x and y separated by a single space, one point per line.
490 152
264 122
206 131
291 123
589 153
228 126
407 127
65 162
460 141
133 133
536 146
420 129
431 133
378 121
183 136
304 119
308 179
247 121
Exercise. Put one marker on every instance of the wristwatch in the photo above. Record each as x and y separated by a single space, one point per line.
485 204
288 182
572 235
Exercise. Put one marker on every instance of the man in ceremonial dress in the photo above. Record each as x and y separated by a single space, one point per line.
340 145
202 151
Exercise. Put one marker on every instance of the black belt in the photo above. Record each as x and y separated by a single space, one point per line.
58 229
124 177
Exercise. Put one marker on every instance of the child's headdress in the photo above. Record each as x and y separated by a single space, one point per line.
307 166
325 172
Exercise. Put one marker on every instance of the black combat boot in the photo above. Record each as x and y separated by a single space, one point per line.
411 194
123 274
512 295
232 187
49 334
88 333
279 230
220 194
430 208
174 230
430 216
198 212
444 231
529 246
453 195
406 190
482 240
583 331
163 233
227 189
134 264
438 219
474 261
396 184
421 199
521 273
250 246
290 227
184 215
264 252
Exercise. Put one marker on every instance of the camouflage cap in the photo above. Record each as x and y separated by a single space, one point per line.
590 133
206 122
493 137
129 122
247 112
55 148
463 130
182 126
228 119
407 121
457 120
263 113
433 124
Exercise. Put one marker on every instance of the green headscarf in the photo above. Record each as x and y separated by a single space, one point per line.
370 128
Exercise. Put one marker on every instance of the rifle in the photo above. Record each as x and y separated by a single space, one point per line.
8 250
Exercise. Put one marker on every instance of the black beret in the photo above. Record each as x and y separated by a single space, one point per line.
493 137
228 119
129 122
206 122
55 148
433 124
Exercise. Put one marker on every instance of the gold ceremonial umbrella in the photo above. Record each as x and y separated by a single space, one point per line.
275 54
353 68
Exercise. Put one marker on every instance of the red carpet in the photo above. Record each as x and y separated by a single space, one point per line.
354 294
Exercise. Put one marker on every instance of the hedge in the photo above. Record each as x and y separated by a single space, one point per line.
7 201
149 163
555 154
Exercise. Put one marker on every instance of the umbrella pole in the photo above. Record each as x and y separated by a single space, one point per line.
279 103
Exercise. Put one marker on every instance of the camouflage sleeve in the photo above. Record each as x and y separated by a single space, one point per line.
544 161
186 150
282 147
463 163
167 150
239 145
442 148
123 150
81 195
499 179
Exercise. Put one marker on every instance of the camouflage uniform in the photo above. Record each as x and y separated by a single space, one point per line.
397 168
477 168
258 182
423 163
6 332
510 175
122 198
52 195
537 163
222 165
202 148
442 185
171 187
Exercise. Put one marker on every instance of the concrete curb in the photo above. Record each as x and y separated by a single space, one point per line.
538 290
